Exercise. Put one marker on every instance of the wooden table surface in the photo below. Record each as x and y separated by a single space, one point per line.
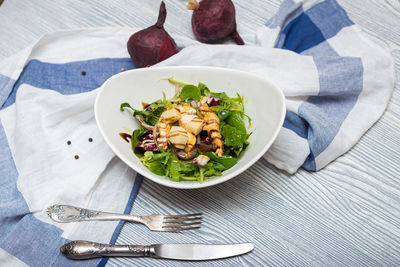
346 214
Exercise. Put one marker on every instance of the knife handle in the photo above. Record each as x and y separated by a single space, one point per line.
81 250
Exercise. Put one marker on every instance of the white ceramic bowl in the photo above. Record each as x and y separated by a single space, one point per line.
264 103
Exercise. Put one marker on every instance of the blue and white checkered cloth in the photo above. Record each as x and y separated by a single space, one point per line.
337 84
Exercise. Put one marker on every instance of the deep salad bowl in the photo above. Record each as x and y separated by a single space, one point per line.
263 101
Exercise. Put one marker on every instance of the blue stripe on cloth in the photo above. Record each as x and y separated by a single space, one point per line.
326 112
300 34
311 27
6 85
309 164
295 123
38 244
340 78
330 18
128 207
21 234
12 203
286 9
67 78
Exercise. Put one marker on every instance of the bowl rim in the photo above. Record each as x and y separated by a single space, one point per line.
182 185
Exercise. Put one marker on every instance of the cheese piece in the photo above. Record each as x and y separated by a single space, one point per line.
178 136
170 115
195 126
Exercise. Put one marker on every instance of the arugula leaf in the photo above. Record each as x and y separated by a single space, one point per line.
201 179
234 132
222 96
190 92
156 168
226 161
223 114
203 89
151 114
164 99
161 157
217 166
125 105
156 163
248 118
233 136
181 170
236 120
213 168
171 80
217 109
211 172
230 103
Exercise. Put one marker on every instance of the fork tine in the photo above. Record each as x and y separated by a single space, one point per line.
172 220
178 229
183 215
179 225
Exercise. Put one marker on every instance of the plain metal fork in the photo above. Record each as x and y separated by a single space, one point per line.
155 222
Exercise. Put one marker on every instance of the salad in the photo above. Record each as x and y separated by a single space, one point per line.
192 136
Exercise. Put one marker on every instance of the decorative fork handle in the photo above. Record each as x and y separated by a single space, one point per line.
81 250
66 213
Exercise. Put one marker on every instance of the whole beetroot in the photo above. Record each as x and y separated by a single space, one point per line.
153 44
214 20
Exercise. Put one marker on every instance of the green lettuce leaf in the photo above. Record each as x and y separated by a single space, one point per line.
203 89
150 114
190 92
179 170
233 136
157 163
235 119
226 161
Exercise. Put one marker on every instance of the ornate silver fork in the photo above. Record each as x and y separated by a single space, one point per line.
155 222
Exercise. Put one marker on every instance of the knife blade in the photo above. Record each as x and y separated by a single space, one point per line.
79 250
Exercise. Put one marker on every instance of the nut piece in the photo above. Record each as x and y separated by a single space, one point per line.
171 115
192 5
178 137
195 126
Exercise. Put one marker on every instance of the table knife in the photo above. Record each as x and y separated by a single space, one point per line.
80 250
